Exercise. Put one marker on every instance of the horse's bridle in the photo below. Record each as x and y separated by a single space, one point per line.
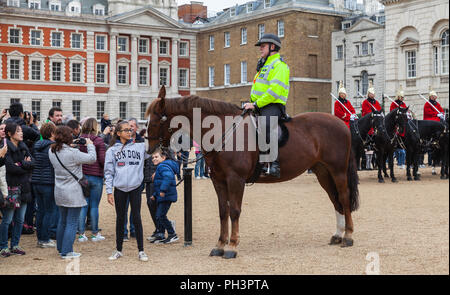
163 120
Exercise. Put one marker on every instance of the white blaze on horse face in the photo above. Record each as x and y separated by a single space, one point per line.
340 224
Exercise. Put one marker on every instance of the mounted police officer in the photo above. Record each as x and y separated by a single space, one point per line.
270 88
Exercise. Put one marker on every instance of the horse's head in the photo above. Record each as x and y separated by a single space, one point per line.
158 123
377 122
401 118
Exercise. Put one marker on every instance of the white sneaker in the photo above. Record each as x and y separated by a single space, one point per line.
198 177
143 256
82 238
71 255
173 224
204 177
97 238
116 255
49 244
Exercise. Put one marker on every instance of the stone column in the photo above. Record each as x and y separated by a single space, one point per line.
155 67
112 62
174 84
134 63
90 62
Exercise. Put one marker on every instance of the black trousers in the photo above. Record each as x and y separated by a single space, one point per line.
270 110
151 204
120 202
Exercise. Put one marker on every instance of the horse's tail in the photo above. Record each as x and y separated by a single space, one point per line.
352 180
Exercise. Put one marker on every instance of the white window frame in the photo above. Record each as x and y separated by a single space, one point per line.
167 67
41 34
227 39
125 114
186 79
105 77
444 64
73 60
249 7
54 3
98 7
33 107
226 75
56 103
243 36
123 63
143 110
34 3
73 8
38 70
61 40
105 42
101 107
261 30
186 54
357 50
407 63
19 71
232 11
339 52
144 64
119 45
81 40
19 37
371 48
436 60
267 3
167 53
211 76
364 48
79 109
244 72
346 25
16 56
40 58
61 59
14 3
280 28
147 40
211 42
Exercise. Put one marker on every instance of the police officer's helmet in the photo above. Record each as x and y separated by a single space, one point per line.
270 38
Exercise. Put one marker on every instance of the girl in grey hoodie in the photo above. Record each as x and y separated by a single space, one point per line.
124 173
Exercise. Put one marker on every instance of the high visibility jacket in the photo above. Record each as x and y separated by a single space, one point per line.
271 83
342 113
430 113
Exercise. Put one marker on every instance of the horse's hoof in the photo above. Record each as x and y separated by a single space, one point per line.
409 178
335 240
394 179
229 254
380 180
346 242
216 252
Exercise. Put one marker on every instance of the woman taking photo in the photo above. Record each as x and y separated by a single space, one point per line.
124 171
68 192
19 165
94 174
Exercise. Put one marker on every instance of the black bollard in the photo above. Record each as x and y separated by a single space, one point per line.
187 174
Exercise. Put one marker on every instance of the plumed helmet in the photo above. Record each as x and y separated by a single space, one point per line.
432 92
371 89
269 38
400 92
341 88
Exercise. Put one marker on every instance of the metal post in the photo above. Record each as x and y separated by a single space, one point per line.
187 174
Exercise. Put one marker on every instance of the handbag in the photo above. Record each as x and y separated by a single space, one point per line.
85 185
12 201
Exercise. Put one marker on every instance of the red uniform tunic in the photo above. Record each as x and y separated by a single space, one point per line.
429 113
342 113
367 107
397 104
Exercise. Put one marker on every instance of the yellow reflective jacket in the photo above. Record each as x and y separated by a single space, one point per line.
271 83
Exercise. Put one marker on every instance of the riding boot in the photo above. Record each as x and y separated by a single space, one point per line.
274 169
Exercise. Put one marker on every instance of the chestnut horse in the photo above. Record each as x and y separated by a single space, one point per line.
318 141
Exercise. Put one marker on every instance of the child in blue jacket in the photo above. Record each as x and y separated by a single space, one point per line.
165 193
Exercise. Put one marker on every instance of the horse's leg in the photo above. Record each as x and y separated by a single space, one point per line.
416 165
391 165
224 213
341 183
380 165
409 156
385 158
235 187
327 183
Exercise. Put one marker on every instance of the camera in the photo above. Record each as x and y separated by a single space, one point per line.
80 141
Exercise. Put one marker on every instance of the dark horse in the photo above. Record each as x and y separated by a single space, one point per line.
318 141
421 135
360 129
386 138
444 149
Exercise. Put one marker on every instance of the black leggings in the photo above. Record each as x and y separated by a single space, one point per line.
120 201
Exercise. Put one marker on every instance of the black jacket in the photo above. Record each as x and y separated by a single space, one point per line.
149 169
43 172
18 171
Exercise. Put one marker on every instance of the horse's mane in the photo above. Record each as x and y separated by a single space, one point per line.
187 103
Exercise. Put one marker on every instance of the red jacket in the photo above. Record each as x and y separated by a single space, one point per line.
397 104
95 169
342 113
367 108
429 113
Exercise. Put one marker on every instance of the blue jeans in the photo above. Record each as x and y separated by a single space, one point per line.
67 229
162 221
401 155
9 215
96 183
199 166
46 214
